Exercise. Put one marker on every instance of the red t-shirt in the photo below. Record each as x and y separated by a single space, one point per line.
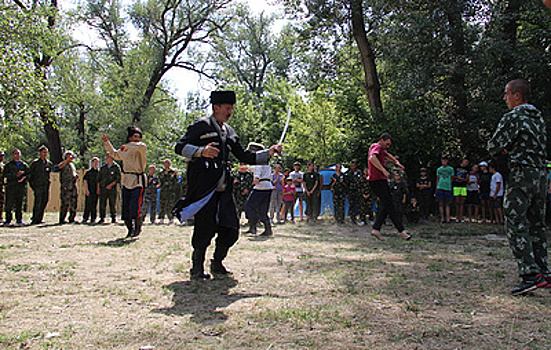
374 173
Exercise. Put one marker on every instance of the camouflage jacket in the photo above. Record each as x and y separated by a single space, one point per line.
522 133
243 181
340 187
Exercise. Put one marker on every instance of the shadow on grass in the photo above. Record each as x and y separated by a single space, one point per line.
119 242
203 299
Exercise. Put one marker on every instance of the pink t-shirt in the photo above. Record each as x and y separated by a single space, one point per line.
374 173
291 196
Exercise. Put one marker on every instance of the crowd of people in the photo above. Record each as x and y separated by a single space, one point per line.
216 202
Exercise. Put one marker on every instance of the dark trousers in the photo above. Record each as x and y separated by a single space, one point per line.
206 225
424 203
150 205
41 198
132 201
90 207
386 207
256 206
354 206
313 205
289 209
14 202
111 197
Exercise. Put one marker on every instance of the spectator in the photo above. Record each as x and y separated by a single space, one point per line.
473 196
444 189
297 177
91 187
39 179
289 199
276 199
460 188
496 194
485 179
423 186
16 173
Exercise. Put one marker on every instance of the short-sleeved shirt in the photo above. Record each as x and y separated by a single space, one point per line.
374 173
91 178
444 175
297 175
496 178
289 197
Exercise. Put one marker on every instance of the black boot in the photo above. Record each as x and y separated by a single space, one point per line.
197 271
138 227
128 224
252 226
268 228
216 266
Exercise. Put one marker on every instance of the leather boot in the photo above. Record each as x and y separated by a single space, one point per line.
268 228
252 227
128 224
137 226
197 271
216 266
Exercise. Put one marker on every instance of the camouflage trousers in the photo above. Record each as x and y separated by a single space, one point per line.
524 210
339 201
69 198
166 203
240 204
150 205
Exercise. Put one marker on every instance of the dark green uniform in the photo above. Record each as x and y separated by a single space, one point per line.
366 208
313 201
522 133
353 180
150 197
39 179
242 187
339 190
169 189
16 188
398 190
69 193
2 195
108 175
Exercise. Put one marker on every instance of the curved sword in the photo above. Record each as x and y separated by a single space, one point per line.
286 126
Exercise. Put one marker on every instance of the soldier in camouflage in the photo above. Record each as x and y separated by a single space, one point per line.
16 173
242 186
150 195
521 136
2 154
339 189
366 208
69 193
169 189
39 179
109 177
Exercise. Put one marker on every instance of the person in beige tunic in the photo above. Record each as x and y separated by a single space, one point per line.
133 182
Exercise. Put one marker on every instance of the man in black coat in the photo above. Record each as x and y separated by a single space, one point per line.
207 144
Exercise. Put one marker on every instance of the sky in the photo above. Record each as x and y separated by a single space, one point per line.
179 81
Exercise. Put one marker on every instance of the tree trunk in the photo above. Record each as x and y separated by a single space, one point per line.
156 77
372 85
52 134
81 128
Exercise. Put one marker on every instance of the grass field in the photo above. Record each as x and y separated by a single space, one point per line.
317 286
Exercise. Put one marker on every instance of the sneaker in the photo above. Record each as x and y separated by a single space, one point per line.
528 284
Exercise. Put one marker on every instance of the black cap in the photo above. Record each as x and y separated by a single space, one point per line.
220 97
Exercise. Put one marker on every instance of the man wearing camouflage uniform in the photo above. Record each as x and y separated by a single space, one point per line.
366 208
521 136
39 179
2 185
16 173
150 196
109 177
69 192
169 188
338 189
242 186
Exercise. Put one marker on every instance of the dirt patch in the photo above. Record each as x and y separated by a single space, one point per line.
317 286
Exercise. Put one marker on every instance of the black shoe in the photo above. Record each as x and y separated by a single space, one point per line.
216 268
198 275
528 284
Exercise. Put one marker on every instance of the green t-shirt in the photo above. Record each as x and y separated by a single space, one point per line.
445 178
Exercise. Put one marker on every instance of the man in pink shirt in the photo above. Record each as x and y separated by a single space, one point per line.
378 180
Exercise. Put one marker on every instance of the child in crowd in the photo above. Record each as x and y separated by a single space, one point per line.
444 189
413 211
496 194
485 179
289 192
473 197
399 192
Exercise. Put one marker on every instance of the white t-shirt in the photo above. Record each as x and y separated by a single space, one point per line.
297 175
263 173
473 183
496 178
